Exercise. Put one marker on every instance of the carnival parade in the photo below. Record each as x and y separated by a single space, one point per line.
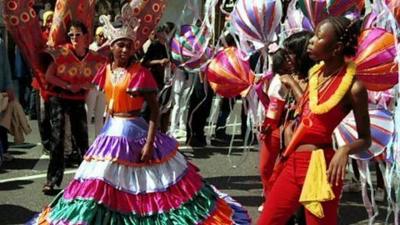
214 112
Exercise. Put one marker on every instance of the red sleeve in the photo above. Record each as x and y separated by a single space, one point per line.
58 53
99 79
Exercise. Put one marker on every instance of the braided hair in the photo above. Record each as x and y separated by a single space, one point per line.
347 32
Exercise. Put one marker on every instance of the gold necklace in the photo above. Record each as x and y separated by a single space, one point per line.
336 97
327 78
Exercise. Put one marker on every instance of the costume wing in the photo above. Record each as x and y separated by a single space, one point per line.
65 12
22 22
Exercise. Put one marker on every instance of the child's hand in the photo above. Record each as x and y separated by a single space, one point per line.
147 153
337 167
286 79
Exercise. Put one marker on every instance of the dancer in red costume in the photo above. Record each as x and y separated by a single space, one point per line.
333 92
69 79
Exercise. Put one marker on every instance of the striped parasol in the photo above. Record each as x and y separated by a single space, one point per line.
256 20
318 10
382 131
375 59
341 7
188 48
228 74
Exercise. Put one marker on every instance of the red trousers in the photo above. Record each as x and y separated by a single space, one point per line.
283 199
269 150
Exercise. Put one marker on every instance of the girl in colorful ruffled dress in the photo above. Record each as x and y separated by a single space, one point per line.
313 172
133 174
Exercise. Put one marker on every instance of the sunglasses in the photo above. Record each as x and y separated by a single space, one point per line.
71 35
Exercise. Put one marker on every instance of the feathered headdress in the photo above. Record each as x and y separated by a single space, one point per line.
129 27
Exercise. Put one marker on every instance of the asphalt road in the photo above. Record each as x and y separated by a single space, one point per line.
234 172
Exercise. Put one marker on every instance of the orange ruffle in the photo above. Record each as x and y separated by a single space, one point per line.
43 216
222 215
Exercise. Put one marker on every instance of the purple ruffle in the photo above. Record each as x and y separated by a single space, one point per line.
123 139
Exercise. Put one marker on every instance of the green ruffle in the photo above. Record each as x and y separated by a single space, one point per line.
80 211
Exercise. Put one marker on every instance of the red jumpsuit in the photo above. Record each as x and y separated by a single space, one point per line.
283 199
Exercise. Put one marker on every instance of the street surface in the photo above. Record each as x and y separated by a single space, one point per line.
236 174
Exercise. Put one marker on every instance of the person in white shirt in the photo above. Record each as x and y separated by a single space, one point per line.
95 101
181 88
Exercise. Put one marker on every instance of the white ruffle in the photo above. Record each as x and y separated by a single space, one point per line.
135 180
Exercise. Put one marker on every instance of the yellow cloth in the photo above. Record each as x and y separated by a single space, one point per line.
316 188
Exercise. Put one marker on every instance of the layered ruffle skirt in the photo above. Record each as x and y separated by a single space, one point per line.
113 187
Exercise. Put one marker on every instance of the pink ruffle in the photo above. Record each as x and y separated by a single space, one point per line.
143 204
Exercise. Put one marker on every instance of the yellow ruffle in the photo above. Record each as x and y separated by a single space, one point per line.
337 96
316 188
